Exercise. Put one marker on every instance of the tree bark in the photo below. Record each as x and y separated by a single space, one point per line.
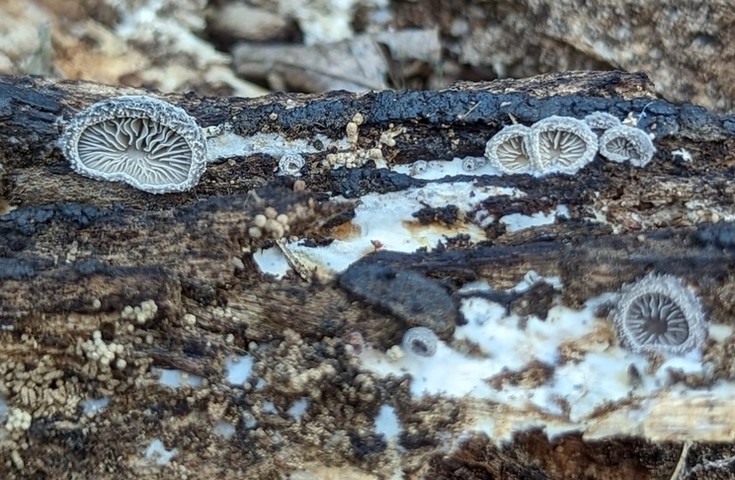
102 285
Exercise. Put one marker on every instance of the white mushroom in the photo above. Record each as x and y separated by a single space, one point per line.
291 164
507 151
600 121
561 144
658 313
470 164
142 141
627 144
420 341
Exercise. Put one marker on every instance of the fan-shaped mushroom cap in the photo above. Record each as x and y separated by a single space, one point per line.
507 151
142 141
627 144
561 144
658 313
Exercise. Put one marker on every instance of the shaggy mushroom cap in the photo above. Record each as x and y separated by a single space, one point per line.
601 121
507 151
142 141
658 313
627 144
291 164
471 164
561 144
420 341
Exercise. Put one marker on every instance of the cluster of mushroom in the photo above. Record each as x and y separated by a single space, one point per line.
158 148
559 144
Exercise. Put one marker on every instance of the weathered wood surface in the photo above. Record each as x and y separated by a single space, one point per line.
74 253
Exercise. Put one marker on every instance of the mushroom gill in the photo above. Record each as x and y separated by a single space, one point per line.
145 142
658 313
561 144
627 144
507 150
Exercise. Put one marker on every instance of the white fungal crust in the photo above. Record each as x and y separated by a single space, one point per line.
561 144
291 164
142 141
507 151
601 121
627 144
420 341
658 313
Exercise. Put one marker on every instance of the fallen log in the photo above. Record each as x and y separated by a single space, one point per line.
277 303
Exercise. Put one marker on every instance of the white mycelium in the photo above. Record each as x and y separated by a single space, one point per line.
142 141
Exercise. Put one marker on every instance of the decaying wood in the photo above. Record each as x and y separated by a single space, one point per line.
77 255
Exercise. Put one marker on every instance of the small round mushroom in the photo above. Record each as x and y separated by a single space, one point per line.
470 164
507 151
420 341
658 313
601 121
291 164
142 141
561 144
627 144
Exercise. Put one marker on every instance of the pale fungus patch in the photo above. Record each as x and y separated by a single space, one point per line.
508 150
561 144
142 141
658 313
156 453
174 378
387 422
627 144
238 369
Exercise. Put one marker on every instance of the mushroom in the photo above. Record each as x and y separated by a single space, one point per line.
470 164
627 144
142 141
561 144
658 313
420 341
507 151
601 121
291 164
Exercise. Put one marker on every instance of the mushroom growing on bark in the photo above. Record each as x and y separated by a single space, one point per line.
627 144
659 313
561 144
507 151
142 141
